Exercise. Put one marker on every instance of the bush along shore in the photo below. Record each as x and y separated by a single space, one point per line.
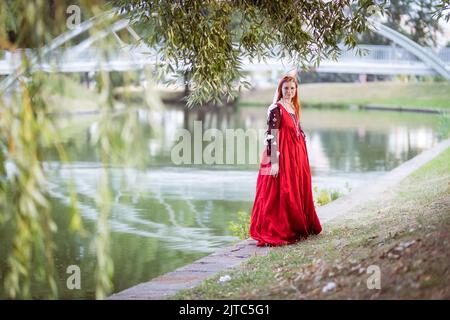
393 247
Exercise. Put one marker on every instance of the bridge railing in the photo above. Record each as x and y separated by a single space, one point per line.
141 54
444 54
388 53
61 57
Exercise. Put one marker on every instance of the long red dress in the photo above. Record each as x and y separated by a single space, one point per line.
283 211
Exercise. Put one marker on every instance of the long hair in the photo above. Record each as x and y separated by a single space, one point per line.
295 101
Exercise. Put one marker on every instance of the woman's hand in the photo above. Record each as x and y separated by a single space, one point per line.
274 168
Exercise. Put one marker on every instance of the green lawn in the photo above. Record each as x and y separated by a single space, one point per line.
406 235
65 94
417 95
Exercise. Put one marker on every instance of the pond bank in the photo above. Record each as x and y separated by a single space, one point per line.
404 109
192 275
419 95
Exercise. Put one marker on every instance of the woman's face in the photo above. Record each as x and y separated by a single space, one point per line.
288 90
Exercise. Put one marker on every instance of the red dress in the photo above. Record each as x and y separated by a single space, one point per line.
283 211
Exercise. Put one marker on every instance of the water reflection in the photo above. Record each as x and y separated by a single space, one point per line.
154 204
337 140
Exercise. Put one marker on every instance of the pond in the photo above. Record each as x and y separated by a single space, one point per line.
167 215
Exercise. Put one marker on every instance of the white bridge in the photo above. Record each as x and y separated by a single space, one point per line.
403 57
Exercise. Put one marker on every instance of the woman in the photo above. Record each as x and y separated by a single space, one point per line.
283 211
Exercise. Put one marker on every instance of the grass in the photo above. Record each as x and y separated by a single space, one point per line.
64 94
241 228
324 196
405 234
393 94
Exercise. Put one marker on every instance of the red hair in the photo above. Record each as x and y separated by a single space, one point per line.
295 101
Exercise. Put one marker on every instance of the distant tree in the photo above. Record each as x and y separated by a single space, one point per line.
416 19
